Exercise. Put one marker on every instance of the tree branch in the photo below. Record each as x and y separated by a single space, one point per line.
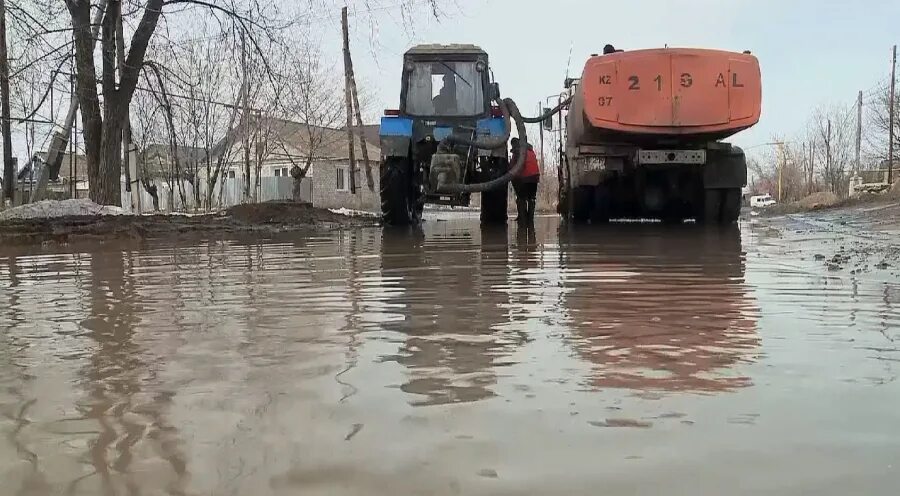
46 93
39 59
108 48
134 62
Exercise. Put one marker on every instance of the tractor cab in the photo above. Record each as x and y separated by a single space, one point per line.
446 82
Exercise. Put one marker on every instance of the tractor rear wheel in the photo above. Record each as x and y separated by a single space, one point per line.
400 204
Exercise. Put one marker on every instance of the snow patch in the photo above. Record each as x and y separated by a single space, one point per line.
48 209
351 213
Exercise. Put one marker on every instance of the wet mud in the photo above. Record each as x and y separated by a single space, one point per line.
454 359
270 217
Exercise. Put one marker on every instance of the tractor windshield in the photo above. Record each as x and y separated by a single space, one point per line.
445 89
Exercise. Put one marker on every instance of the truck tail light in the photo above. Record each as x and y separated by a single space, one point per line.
392 112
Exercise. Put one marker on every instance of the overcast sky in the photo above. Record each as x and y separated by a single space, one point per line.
811 52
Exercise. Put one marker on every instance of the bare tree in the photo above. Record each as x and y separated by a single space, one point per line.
785 164
175 176
878 124
316 105
834 145
145 130
206 120
103 125
44 38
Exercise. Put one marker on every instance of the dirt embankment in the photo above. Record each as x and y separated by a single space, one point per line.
270 217
828 200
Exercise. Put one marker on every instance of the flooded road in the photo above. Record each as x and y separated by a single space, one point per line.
628 360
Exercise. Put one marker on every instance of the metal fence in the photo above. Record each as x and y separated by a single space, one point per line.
226 194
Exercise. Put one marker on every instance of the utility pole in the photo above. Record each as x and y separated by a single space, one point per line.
541 127
370 181
859 104
245 89
812 167
891 127
73 189
828 154
351 78
9 174
781 161
806 166
348 100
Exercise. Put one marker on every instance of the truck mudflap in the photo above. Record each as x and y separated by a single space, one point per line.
725 169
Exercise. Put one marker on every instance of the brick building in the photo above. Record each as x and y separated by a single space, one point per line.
277 145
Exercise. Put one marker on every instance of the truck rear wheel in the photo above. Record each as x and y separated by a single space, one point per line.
494 202
721 206
602 204
582 200
731 206
400 202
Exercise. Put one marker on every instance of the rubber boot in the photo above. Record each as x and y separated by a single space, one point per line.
522 208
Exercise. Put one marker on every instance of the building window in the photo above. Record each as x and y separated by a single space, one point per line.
277 172
231 174
284 172
340 174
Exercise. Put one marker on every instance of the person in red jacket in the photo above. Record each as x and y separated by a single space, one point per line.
526 182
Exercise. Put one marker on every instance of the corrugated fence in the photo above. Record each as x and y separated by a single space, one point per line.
228 193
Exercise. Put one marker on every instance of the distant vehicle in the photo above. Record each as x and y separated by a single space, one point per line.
761 201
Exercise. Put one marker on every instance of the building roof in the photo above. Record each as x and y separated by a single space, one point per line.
371 133
329 143
155 161
184 153
39 159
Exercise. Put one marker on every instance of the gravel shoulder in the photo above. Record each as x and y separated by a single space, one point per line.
859 240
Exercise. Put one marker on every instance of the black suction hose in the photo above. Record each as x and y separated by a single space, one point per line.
510 111
548 114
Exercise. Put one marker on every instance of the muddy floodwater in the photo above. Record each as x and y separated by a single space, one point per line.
633 359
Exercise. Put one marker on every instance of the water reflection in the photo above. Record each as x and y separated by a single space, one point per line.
656 309
120 377
284 365
446 287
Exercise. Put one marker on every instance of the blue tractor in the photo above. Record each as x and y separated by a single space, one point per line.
445 99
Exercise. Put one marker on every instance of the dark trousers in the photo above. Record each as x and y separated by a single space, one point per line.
526 197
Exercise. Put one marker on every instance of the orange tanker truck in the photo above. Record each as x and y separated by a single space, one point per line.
644 130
